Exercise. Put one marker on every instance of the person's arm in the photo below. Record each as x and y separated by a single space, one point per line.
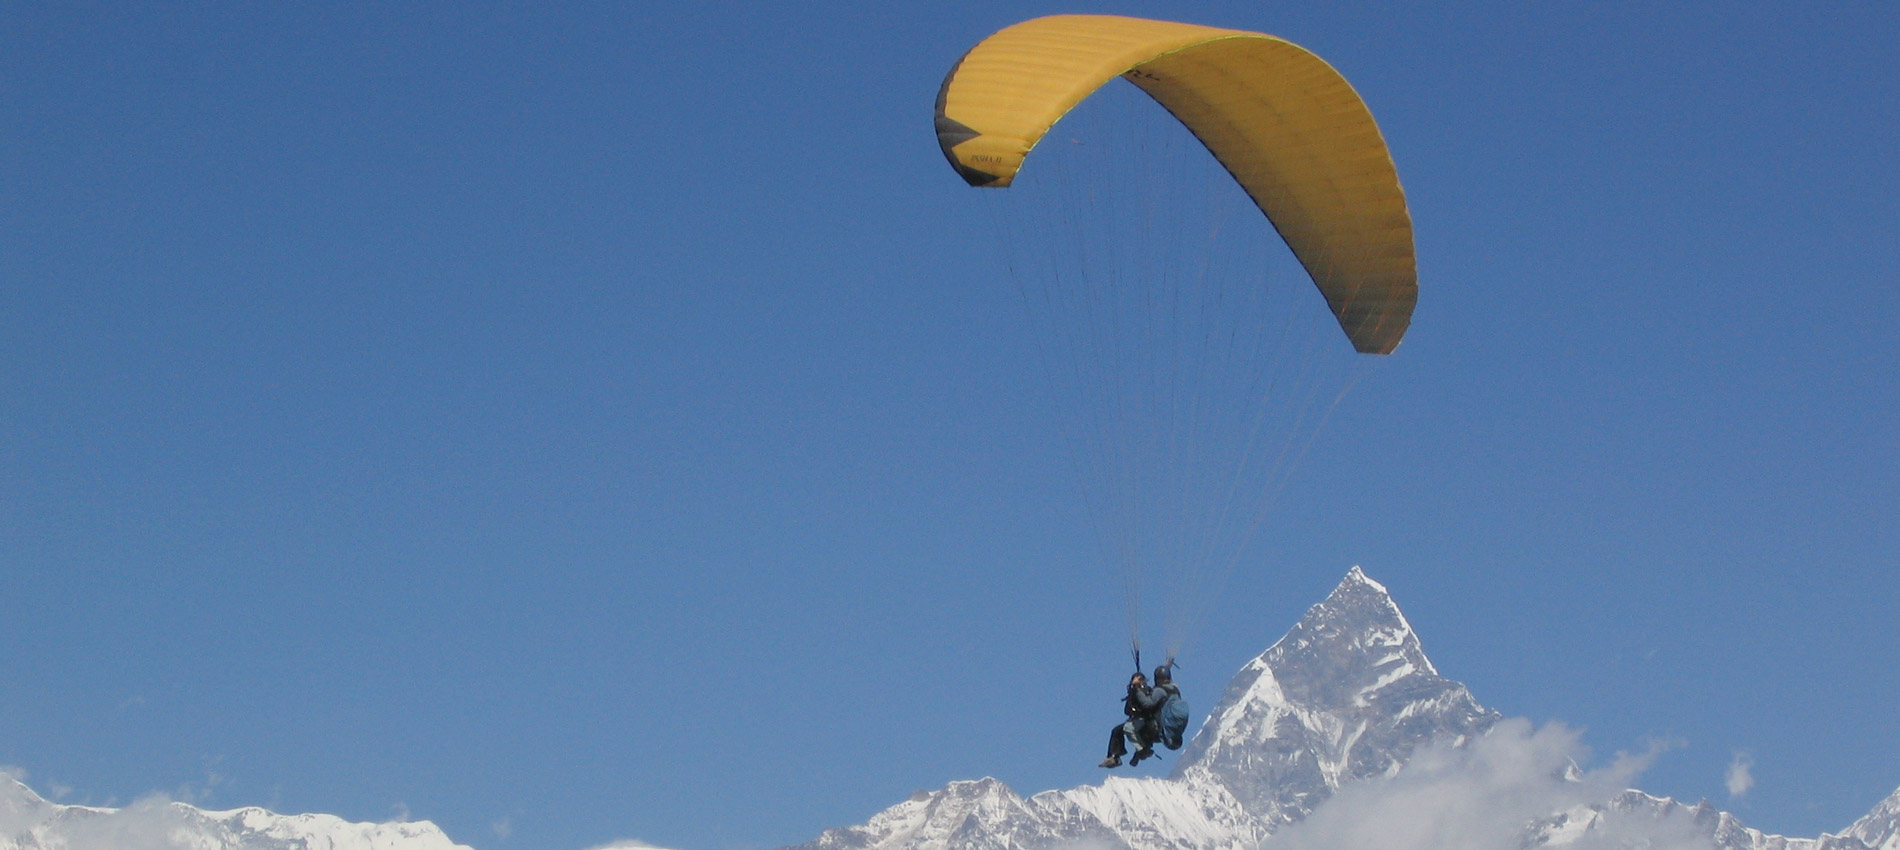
1150 699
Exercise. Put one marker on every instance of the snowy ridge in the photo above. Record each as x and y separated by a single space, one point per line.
1705 823
1343 701
971 815
1880 829
29 822
1148 812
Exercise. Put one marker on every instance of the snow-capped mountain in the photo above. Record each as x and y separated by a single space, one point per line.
1635 810
1347 695
1880 828
29 822
1344 701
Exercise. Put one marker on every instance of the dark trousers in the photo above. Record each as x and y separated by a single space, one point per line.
1135 730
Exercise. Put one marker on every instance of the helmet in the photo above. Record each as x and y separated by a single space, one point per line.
1164 673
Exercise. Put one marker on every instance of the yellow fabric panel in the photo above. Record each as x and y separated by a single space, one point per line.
1285 124
1015 84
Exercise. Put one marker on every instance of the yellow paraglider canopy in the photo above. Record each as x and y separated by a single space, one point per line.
1288 127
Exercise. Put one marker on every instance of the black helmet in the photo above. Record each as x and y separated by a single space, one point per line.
1164 674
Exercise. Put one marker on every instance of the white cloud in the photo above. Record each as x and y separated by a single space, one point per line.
627 844
149 822
1483 796
1741 774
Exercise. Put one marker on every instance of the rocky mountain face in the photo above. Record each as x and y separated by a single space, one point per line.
1880 829
29 822
1346 697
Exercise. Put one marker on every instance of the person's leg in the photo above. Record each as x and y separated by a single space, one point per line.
1141 734
1117 746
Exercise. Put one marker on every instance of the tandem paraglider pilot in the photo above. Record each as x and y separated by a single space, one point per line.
1154 715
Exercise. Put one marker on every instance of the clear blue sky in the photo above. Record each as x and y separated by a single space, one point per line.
596 420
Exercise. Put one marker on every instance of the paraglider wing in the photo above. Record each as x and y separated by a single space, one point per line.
1285 124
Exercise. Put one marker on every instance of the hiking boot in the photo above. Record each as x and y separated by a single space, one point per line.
1112 761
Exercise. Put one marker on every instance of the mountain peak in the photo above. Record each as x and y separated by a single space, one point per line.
1341 655
1347 694
1357 622
1367 598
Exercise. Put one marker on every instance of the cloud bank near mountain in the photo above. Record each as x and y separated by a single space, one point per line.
1482 796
